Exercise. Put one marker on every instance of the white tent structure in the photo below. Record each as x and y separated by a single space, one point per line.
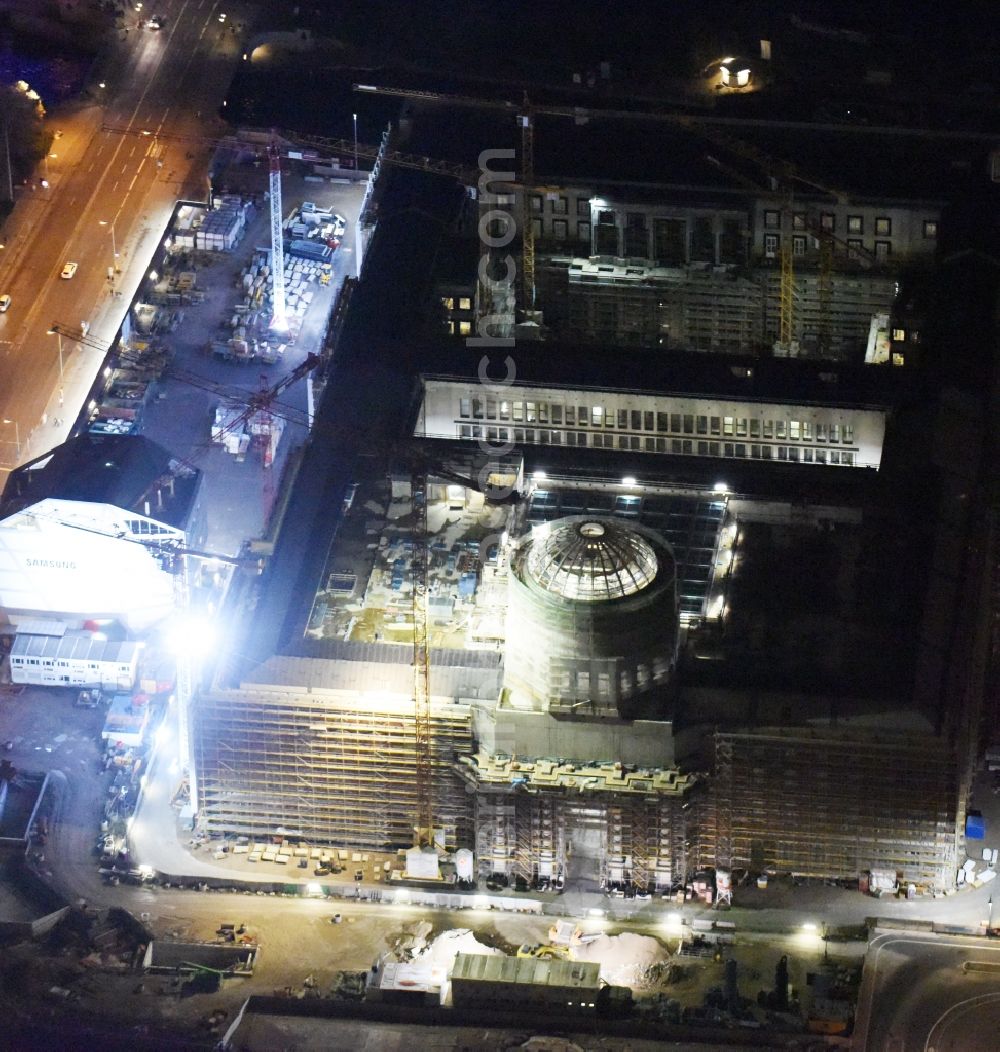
74 561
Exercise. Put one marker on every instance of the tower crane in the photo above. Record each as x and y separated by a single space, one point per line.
525 115
784 173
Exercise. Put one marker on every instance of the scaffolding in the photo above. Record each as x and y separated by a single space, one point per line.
528 811
327 769
834 804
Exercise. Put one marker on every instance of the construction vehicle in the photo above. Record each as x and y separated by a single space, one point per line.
545 952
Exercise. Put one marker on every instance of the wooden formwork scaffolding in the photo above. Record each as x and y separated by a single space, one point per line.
327 769
834 804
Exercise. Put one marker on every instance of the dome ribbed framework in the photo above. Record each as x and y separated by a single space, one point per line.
593 561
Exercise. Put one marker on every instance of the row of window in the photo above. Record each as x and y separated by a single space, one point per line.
559 205
560 229
649 444
650 420
581 682
855 247
855 224
50 663
461 302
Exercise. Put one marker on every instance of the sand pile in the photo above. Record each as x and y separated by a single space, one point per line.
443 950
625 960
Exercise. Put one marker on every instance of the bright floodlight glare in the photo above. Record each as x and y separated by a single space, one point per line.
720 487
809 926
193 636
146 870
594 912
314 889
539 476
480 902
628 480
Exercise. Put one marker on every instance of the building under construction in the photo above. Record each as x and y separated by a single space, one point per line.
626 684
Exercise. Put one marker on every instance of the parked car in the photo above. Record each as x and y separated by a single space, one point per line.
68 270
88 699
4 303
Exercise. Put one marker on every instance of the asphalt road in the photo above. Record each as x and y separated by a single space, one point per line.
929 993
108 193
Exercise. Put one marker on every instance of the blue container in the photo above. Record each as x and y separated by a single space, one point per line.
975 827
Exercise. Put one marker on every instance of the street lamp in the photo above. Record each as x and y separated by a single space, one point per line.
58 335
355 141
114 247
17 436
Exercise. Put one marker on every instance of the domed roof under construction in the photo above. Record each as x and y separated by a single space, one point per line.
591 560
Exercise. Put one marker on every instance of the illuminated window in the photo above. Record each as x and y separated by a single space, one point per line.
798 220
828 221
794 430
529 413
518 412
598 415
448 302
855 224
899 335
464 328
883 226
727 425
505 410
772 219
464 303
930 228
770 245
465 407
798 246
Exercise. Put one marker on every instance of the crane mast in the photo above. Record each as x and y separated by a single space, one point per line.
424 828
278 320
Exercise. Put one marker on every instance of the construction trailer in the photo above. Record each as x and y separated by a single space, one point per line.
834 804
73 659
